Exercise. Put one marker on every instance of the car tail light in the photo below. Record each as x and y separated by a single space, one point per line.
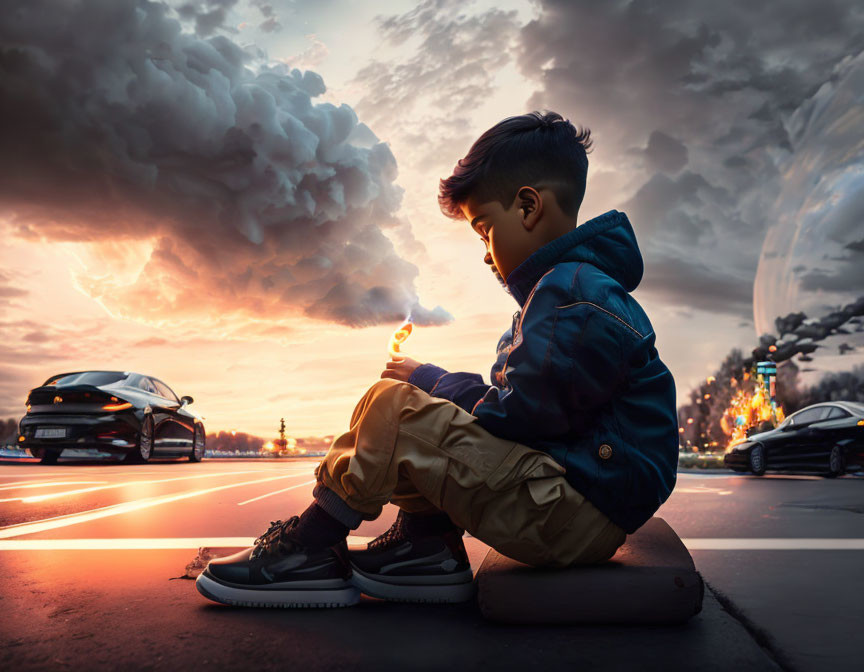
861 423
120 406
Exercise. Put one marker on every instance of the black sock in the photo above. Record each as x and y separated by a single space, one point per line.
317 529
426 524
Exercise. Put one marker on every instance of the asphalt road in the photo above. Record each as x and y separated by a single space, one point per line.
88 553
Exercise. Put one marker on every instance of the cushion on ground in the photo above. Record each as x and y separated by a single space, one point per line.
650 579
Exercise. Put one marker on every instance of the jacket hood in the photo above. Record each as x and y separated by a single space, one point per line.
607 242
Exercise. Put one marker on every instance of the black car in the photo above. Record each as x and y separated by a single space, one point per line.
823 438
117 412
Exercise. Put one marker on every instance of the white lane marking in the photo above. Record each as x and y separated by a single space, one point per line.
12 484
749 477
693 544
703 474
46 484
774 544
115 510
275 492
32 499
29 474
137 544
702 490
109 471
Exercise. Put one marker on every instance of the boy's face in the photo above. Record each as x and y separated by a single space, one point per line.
504 232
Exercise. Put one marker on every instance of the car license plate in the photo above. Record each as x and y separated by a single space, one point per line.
50 432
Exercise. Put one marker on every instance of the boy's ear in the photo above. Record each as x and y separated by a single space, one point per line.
530 206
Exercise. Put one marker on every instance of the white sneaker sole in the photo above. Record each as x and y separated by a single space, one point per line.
250 597
441 592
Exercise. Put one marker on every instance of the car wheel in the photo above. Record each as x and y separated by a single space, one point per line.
46 456
144 445
199 440
757 459
836 463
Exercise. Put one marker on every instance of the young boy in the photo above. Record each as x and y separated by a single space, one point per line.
572 447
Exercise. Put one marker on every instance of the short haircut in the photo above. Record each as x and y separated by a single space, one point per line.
535 149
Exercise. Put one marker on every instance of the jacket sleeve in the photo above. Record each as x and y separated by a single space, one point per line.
566 360
463 389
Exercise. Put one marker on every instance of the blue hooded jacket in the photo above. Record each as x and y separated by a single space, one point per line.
577 374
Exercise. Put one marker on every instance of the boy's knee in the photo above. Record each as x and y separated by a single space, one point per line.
389 386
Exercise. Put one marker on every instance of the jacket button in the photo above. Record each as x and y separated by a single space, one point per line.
605 451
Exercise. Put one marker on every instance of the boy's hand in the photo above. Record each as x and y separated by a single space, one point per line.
400 369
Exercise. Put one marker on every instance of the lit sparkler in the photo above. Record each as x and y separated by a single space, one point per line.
398 337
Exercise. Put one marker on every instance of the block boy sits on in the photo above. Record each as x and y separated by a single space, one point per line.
572 446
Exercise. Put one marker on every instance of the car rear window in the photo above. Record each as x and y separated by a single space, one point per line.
96 378
164 390
857 407
836 412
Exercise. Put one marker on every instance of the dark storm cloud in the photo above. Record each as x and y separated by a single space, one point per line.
264 7
270 25
706 88
708 288
429 96
846 276
117 125
675 205
207 15
271 22
665 153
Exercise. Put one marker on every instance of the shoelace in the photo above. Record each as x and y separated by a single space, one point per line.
395 533
269 541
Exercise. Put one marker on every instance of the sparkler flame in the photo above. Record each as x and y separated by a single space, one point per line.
398 337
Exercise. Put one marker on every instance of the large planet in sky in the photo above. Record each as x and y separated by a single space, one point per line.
812 259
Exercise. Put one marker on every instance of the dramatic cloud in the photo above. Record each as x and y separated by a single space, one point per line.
665 153
426 100
117 128
208 15
690 105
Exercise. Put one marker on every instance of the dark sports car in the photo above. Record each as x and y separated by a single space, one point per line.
117 412
823 438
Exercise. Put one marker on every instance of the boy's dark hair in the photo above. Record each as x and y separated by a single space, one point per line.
539 149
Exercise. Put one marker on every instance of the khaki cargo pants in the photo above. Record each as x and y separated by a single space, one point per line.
424 453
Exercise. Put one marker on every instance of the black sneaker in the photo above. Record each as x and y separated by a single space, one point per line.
278 572
405 567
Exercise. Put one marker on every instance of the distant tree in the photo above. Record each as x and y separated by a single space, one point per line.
841 386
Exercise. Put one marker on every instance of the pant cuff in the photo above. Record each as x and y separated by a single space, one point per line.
337 507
